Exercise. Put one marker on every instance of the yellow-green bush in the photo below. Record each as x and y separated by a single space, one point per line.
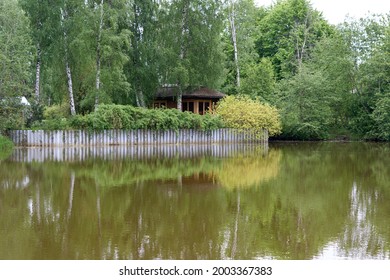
241 112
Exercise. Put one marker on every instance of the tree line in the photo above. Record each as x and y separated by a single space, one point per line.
325 80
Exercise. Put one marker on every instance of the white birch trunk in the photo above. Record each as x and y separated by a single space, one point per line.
38 74
182 54
234 40
300 49
179 99
70 88
139 96
98 60
67 68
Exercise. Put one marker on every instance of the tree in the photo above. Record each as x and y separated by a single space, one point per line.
99 47
37 14
378 81
288 32
145 54
306 113
191 39
239 43
15 60
368 40
316 100
259 80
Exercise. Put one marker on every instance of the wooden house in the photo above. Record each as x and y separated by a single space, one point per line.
197 100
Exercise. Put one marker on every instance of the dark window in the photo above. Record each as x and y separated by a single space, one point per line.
191 106
159 104
201 109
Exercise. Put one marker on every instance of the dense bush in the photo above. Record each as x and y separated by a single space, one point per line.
12 114
56 112
6 147
380 130
241 112
129 117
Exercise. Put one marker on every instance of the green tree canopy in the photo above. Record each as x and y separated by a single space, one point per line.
15 61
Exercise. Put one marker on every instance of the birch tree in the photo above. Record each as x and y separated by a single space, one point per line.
36 15
63 19
98 53
240 42
232 16
192 42
145 53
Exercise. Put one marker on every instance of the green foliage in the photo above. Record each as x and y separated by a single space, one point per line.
15 60
242 112
259 80
369 42
6 147
15 50
12 114
191 41
306 112
287 34
56 112
129 117
244 14
381 118
55 117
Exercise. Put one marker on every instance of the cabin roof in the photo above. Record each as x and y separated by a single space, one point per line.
199 92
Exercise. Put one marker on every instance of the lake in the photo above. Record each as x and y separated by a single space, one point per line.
281 201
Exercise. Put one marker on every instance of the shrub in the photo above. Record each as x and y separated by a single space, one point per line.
12 115
129 117
56 112
241 112
81 122
6 147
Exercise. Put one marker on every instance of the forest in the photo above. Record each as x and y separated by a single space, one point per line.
70 56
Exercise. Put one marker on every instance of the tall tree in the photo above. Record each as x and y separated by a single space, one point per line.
37 12
145 53
287 34
98 52
191 38
63 19
239 44
368 41
15 60
232 22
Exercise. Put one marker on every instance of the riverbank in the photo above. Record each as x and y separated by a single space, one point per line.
6 147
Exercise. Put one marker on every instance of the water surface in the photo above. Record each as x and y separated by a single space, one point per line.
282 201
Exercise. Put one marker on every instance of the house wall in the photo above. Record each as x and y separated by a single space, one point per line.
196 106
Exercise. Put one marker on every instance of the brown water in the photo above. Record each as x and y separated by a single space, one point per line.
285 201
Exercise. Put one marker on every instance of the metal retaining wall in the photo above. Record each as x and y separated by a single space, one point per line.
68 138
